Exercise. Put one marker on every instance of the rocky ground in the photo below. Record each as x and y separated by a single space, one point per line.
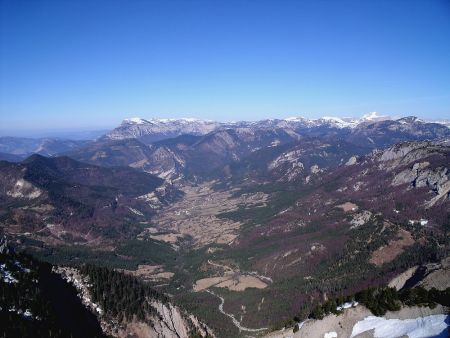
344 325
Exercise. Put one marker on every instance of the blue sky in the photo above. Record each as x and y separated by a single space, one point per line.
89 64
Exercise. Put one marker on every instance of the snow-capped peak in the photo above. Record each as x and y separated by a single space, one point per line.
295 119
338 121
135 120
182 119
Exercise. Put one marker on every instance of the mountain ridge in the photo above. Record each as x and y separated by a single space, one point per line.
154 129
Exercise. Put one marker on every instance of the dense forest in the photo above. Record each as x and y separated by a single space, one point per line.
119 295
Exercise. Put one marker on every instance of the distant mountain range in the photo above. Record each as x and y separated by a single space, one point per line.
22 147
151 130
179 148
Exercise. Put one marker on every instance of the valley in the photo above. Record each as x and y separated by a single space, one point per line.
194 218
286 215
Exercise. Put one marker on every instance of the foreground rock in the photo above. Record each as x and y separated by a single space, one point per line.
360 322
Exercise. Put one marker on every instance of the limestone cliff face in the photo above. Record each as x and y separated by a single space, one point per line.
170 322
420 175
408 152
425 164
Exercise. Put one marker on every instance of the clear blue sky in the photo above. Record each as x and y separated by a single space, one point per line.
80 64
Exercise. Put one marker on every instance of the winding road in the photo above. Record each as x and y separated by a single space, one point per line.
231 316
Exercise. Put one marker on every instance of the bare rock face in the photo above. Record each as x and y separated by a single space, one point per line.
418 171
165 163
169 323
4 246
443 192
24 189
172 323
360 218
419 176
351 161
408 152
399 281
438 275
288 163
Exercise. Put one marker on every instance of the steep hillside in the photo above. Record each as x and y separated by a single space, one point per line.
59 199
302 159
114 153
406 185
184 156
381 134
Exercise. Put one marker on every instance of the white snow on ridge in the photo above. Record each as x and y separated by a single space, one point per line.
296 119
347 305
340 123
7 275
421 327
443 122
161 128
135 120
344 122
138 120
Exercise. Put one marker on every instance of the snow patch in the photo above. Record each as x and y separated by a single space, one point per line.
23 269
7 275
338 122
429 326
347 305
135 120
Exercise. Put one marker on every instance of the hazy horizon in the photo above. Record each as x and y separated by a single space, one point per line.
91 132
